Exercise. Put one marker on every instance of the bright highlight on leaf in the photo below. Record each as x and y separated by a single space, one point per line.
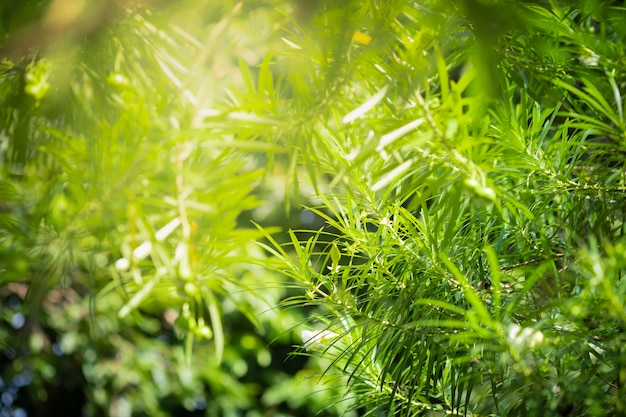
312 339
143 250
391 176
142 294
393 136
365 107
290 43
335 257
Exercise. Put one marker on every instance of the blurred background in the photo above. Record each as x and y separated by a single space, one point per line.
113 128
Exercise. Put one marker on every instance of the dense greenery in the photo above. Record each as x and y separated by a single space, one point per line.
131 277
460 164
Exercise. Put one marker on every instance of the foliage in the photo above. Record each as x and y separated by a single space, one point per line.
469 164
465 158
131 283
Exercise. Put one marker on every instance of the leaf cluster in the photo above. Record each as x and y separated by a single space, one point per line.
471 186
129 276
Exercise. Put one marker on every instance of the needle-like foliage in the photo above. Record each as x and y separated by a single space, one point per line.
128 273
468 161
465 157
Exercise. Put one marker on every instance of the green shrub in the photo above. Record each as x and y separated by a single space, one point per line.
463 160
468 161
